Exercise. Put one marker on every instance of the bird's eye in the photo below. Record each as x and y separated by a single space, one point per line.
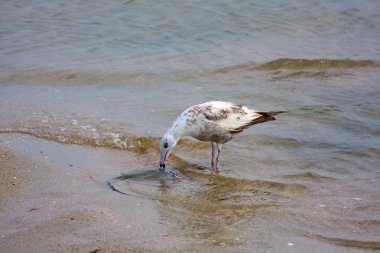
165 145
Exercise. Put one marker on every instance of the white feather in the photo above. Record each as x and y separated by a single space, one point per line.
233 120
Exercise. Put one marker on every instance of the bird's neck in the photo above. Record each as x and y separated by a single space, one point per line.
176 133
178 129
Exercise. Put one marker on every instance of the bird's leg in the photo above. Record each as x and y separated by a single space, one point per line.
212 154
219 146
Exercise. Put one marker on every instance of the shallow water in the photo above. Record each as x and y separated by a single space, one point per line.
117 75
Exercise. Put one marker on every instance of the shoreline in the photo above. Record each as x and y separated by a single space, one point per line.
54 199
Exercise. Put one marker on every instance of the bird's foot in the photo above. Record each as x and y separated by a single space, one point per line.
215 170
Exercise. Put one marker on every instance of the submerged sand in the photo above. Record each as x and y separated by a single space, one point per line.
54 198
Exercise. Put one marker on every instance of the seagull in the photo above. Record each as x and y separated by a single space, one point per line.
214 121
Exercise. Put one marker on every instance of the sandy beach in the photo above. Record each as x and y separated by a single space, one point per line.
54 199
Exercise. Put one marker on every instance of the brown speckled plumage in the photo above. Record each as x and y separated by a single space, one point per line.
214 121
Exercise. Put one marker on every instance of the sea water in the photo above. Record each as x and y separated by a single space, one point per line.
116 74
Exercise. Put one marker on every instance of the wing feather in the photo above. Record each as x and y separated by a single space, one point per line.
229 116
235 118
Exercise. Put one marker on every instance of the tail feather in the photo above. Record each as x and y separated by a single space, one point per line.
265 116
270 114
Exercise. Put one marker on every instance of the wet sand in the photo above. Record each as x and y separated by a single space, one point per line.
54 199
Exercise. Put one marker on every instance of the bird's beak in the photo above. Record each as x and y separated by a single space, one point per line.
162 160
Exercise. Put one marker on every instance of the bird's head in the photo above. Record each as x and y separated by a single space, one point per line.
167 145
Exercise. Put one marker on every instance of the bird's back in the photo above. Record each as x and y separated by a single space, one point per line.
217 121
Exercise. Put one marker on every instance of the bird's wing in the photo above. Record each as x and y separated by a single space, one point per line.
236 122
229 116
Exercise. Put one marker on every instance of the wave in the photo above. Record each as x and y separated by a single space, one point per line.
303 64
139 144
289 63
41 76
111 140
350 243
299 67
